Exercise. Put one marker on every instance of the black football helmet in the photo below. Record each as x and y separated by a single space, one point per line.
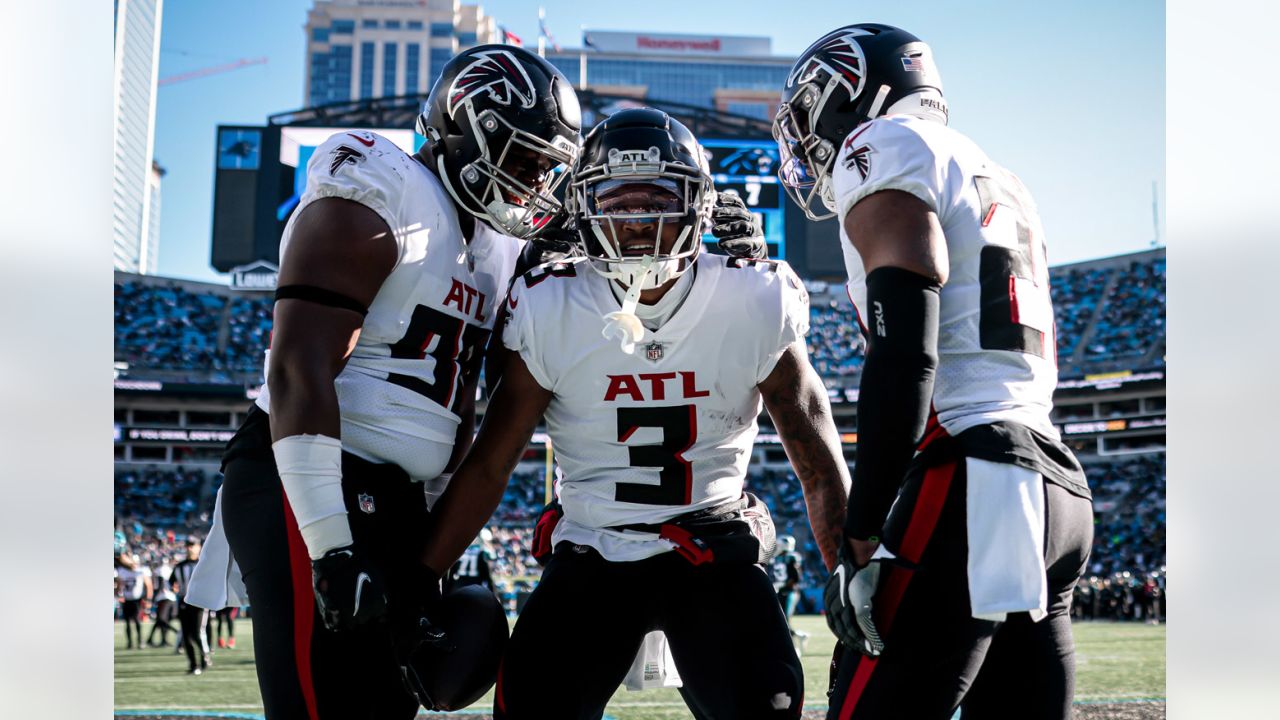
503 127
647 147
476 625
849 76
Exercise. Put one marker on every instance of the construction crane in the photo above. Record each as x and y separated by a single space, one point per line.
206 72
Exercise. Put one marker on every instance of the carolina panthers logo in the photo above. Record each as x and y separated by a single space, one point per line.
841 56
343 155
859 159
497 72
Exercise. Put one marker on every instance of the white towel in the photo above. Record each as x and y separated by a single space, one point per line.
216 582
653 667
1006 540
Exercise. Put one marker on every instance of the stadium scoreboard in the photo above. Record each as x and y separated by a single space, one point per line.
750 167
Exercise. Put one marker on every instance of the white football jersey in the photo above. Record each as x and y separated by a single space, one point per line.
428 325
667 430
133 582
996 342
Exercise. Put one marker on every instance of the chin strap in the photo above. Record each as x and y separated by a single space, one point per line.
623 325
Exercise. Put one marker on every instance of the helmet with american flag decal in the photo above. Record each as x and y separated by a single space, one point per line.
849 76
502 127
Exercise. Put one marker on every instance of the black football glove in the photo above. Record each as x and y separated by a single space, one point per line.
848 603
553 243
348 591
411 618
736 228
558 239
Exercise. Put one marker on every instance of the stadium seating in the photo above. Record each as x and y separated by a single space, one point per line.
1129 514
1076 294
164 496
835 343
1109 313
210 335
1132 316
1105 315
166 327
155 503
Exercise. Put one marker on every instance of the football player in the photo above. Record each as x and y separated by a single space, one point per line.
969 521
474 567
650 361
391 271
192 619
786 582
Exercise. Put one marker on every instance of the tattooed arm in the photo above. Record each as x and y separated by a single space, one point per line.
477 485
797 401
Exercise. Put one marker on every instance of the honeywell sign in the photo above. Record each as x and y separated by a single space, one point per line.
676 44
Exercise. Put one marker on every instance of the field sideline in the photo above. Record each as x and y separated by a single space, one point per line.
1116 663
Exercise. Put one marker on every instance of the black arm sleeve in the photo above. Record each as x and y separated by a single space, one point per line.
895 392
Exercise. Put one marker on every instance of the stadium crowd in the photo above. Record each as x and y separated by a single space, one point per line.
1129 514
1132 316
158 508
162 496
1121 596
1103 314
206 335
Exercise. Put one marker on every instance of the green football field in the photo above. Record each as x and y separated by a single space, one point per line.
1120 674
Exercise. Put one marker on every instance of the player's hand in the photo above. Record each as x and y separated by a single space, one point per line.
848 602
348 592
411 617
557 239
736 228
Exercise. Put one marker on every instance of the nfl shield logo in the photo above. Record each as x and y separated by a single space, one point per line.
653 351
366 503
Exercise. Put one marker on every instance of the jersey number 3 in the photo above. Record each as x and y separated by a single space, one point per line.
679 425
1017 315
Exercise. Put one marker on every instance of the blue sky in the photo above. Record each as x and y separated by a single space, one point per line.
1070 96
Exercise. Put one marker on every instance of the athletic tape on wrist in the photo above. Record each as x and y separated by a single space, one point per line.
310 468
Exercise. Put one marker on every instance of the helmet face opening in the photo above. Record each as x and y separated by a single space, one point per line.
641 191
805 163
513 181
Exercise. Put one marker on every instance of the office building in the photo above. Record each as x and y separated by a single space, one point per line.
362 49
734 74
134 189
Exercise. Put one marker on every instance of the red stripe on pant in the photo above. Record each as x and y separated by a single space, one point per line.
303 609
924 518
499 703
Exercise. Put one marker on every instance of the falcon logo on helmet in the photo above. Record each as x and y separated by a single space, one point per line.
497 72
841 56
502 127
850 76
